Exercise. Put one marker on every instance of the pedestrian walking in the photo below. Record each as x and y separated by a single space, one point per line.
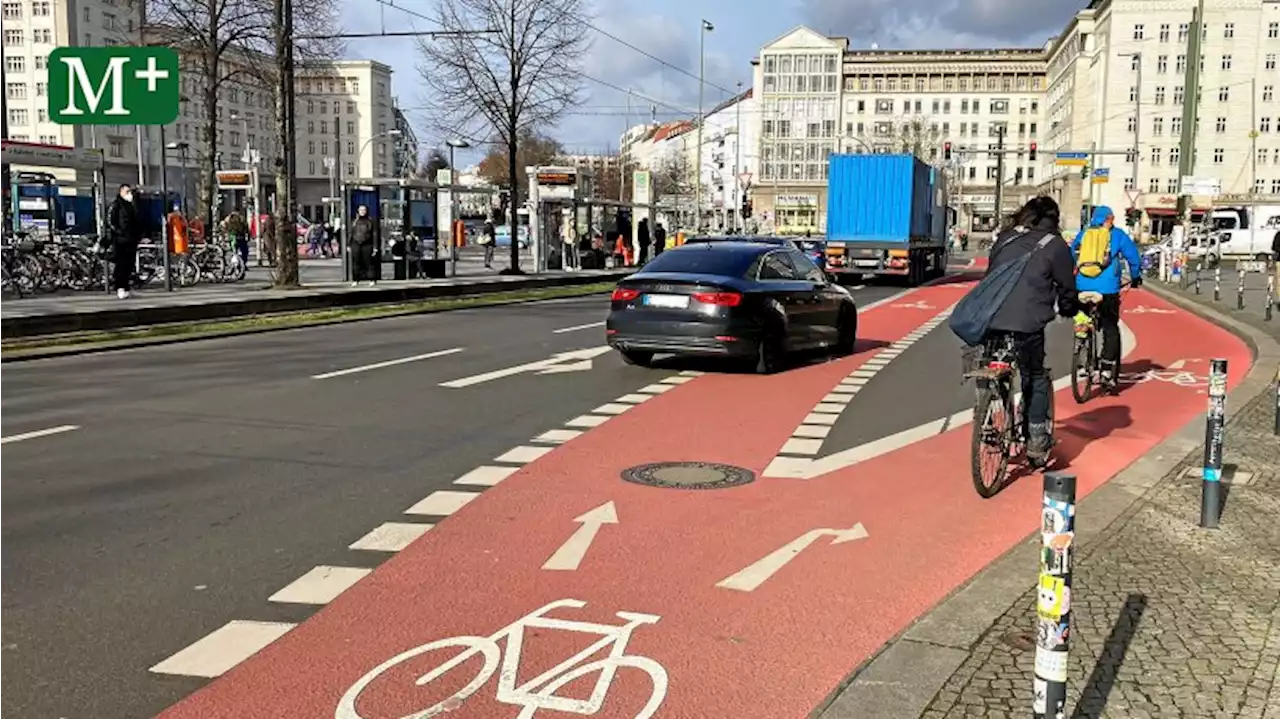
267 231
643 239
317 241
659 239
125 230
237 230
363 252
489 241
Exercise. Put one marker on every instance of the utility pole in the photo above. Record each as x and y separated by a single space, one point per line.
1190 111
737 162
999 175
703 29
1137 123
1253 159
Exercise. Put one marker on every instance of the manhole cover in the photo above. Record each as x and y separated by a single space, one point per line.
1026 641
688 475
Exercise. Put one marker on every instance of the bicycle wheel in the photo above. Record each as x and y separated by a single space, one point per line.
234 268
1082 368
993 430
186 271
592 705
483 646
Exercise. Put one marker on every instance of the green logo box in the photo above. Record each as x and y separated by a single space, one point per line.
113 86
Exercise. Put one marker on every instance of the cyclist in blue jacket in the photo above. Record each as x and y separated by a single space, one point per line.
1108 282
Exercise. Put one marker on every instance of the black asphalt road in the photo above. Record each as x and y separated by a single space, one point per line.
205 476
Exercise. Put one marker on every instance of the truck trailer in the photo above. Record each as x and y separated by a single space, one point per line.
886 215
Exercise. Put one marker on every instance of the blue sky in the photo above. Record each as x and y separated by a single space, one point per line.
668 29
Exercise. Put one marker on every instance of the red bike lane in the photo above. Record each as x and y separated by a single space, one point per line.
750 601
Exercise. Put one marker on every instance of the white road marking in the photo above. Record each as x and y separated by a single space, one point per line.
612 408
677 379
634 398
812 430
389 363
587 421
226 647
816 418
390 537
691 373
797 445
657 388
839 397
575 328
558 436
828 407
487 475
753 576
573 357
442 503
807 468
523 454
321 585
39 433
570 554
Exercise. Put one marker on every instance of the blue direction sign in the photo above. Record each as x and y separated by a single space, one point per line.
1075 159
1101 175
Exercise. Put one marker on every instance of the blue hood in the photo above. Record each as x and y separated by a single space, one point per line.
1100 215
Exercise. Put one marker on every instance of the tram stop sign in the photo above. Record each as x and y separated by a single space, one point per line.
113 86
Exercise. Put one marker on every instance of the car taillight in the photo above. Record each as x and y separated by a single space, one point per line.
625 294
720 299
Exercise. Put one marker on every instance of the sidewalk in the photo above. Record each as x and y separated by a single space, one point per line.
1168 620
1255 292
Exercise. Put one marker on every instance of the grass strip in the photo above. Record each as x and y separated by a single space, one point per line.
292 320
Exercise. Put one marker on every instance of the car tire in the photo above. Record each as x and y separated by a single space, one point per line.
769 352
846 332
636 357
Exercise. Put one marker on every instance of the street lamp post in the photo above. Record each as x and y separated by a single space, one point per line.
365 145
1137 115
453 144
705 28
182 148
737 162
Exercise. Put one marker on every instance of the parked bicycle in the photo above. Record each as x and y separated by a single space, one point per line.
1000 427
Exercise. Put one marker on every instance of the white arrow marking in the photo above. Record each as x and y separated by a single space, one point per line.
558 358
753 576
583 366
570 554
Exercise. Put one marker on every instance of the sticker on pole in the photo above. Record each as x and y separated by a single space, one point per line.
1051 666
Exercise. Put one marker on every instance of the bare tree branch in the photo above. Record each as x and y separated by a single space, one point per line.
508 84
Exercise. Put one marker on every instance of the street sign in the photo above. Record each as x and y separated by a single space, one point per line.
1133 194
1101 175
744 178
1071 159
235 179
113 85
1201 186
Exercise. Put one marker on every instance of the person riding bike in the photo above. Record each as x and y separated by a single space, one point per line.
1049 279
1096 249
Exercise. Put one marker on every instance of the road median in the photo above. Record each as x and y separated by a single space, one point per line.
374 304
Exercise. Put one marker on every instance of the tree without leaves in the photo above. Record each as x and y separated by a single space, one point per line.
510 82
532 150
435 161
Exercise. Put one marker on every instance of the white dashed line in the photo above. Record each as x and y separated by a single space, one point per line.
39 433
523 454
442 503
487 475
226 647
388 363
575 328
321 585
557 436
657 388
612 408
634 398
587 420
390 537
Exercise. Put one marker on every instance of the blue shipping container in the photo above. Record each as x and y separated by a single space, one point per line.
879 198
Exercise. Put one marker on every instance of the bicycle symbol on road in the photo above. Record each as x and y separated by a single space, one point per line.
1145 310
1181 378
539 692
917 305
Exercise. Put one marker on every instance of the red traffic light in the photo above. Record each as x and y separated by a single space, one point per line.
946 151
1033 151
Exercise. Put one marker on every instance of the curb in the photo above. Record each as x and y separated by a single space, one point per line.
901 679
27 327
72 350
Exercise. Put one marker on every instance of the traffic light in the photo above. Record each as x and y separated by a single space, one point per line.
1032 154
1132 216
746 208
946 151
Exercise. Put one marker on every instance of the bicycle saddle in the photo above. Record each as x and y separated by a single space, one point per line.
1091 297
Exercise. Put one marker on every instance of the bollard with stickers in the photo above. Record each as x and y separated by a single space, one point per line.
1271 291
1217 283
1053 598
1240 273
1199 269
1214 425
1276 431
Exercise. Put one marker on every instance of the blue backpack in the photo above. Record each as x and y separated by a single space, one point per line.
972 316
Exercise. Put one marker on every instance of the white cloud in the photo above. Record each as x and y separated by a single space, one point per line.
941 23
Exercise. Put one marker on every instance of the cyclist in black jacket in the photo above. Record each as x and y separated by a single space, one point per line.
1048 280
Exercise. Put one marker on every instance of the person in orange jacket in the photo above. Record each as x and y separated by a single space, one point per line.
623 248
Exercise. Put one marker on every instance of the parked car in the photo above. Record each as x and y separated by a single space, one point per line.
749 300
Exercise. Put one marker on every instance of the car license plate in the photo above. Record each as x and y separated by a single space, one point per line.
671 301
867 263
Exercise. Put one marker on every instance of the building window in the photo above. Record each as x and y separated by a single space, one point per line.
351 169
1175 126
884 107
1224 94
1275 187
1184 29
1153 186
1270 61
1264 125
1137 31
1229 30
1180 64
1160 95
1133 124
1155 156
999 107
1171 186
12 11
16 91
1261 156
1162 64
1157 126
18 116
1268 92
40 8
1221 125
1164 32
1226 62
15 63
1218 155
1273 30
1178 95
12 38
1133 93
1174 154
116 147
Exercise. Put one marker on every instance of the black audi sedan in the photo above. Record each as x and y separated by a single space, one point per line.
749 301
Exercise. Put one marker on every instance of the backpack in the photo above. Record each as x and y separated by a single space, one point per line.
972 316
1095 252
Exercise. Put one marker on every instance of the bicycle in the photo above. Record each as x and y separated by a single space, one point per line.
1087 372
529 696
1000 426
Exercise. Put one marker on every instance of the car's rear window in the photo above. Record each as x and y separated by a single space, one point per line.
703 260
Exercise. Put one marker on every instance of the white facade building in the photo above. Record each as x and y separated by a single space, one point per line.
730 136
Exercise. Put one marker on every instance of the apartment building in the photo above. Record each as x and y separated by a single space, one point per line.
1116 82
730 158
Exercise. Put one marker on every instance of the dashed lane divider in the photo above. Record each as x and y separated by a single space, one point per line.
237 640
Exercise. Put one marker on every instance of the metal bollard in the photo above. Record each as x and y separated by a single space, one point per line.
1053 600
1199 268
1271 292
1217 283
1215 419
1240 273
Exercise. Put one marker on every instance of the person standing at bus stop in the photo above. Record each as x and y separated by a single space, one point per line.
125 228
179 242
362 247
